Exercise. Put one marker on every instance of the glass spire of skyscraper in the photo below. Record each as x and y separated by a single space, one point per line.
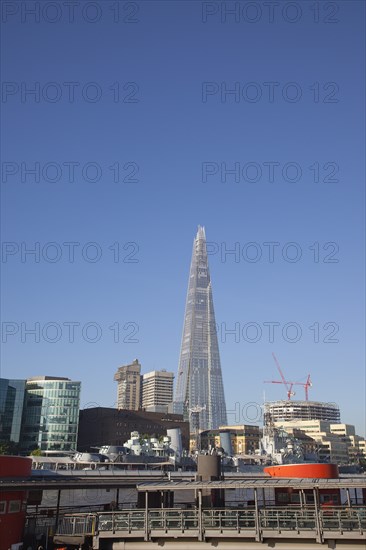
200 391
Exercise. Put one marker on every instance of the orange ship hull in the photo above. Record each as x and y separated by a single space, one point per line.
319 471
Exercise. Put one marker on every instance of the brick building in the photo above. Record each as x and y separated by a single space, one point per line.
100 426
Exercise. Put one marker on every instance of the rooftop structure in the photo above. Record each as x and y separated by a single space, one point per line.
238 439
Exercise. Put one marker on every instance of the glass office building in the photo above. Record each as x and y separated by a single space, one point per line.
11 409
50 414
200 392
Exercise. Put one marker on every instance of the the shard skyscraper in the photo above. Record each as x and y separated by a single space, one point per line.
200 391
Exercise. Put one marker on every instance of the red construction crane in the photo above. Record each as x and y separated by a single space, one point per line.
289 385
306 386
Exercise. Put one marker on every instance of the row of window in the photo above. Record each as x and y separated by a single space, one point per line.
34 431
145 426
13 507
46 385
58 447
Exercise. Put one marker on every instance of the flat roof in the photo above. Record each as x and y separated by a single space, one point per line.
261 483
287 403
141 480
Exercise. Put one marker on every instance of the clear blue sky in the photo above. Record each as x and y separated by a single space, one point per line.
167 124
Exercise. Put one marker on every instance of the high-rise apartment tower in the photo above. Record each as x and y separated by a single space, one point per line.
157 390
129 386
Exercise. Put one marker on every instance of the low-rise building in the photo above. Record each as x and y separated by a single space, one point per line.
355 443
244 438
335 442
362 447
100 426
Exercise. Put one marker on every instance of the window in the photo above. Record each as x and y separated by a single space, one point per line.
14 506
3 507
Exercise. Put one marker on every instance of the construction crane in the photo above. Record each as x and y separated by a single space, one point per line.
306 385
289 385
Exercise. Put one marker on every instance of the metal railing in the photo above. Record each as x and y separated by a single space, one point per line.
288 519
344 519
125 520
78 524
305 521
229 519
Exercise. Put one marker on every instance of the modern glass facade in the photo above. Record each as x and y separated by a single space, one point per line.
200 391
11 409
51 414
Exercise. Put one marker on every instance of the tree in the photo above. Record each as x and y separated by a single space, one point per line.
36 452
9 448
4 448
